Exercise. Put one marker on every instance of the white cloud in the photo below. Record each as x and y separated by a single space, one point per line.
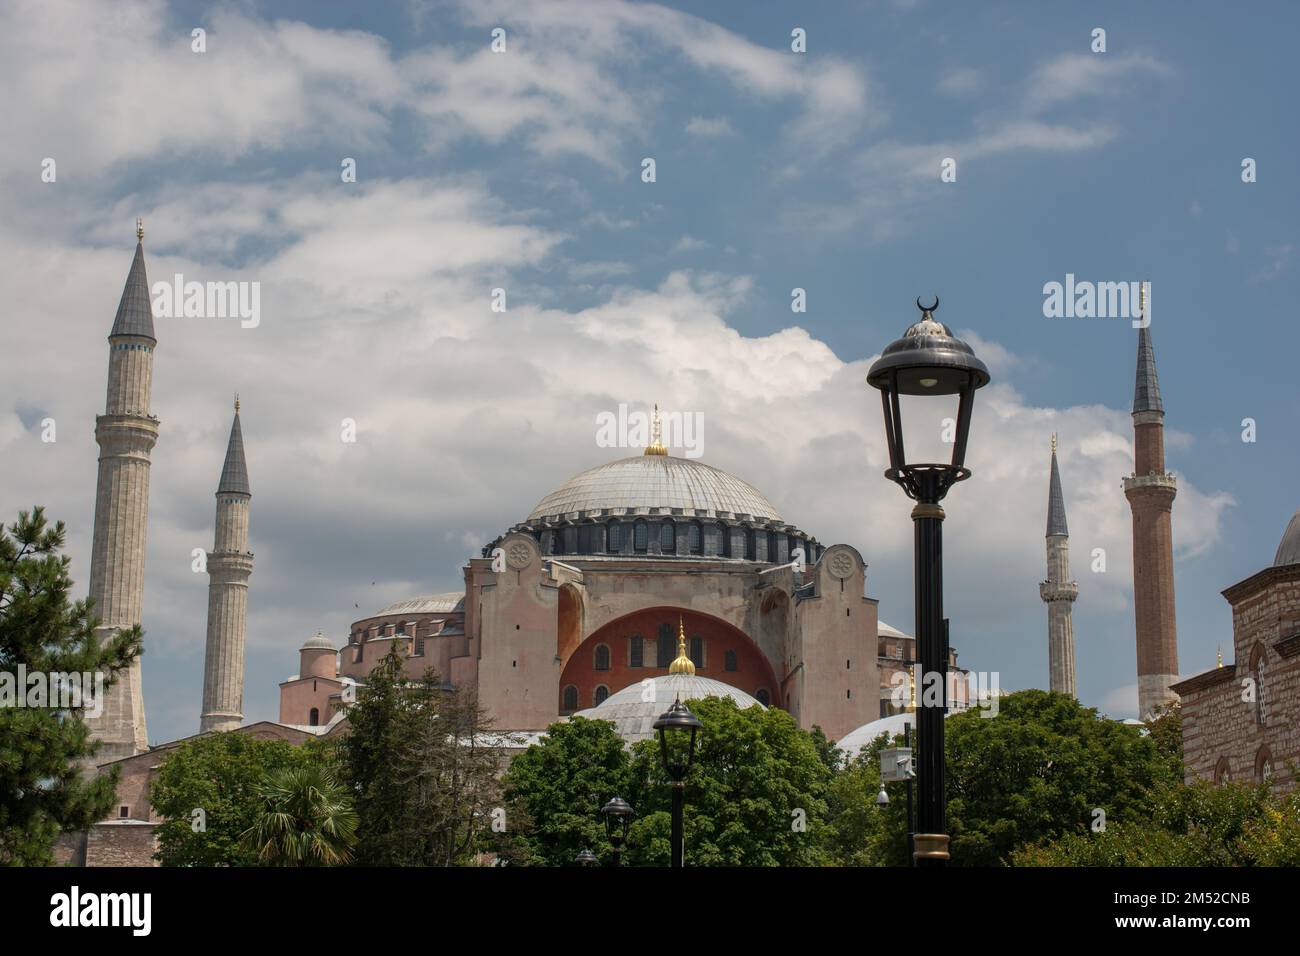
709 127
1074 75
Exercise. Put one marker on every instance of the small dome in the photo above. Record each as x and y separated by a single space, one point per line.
865 736
319 642
634 717
630 485
1288 551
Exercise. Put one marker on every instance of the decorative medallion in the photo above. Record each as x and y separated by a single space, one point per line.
519 556
841 564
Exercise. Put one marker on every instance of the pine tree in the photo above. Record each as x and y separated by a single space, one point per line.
44 789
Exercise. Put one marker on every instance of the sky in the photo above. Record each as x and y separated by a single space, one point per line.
774 170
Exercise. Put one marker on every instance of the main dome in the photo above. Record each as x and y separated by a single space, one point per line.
656 481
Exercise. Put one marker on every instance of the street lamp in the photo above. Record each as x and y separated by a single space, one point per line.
585 858
618 817
677 719
929 361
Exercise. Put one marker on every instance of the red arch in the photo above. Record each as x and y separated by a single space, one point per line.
754 671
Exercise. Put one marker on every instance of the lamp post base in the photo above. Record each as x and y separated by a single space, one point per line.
930 847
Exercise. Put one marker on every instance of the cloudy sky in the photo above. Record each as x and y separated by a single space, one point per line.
775 170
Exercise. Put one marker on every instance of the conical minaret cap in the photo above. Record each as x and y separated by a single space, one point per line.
1056 500
1146 389
134 312
234 473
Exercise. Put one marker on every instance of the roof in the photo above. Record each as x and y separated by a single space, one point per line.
443 603
134 311
319 642
634 716
656 481
1146 388
234 473
865 736
886 630
1056 502
1288 549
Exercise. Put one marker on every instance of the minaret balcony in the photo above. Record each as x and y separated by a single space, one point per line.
1051 591
1163 482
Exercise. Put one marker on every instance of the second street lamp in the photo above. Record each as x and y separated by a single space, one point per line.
676 722
929 361
618 817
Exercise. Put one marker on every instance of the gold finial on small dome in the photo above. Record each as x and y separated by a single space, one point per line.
683 664
139 229
1220 655
656 446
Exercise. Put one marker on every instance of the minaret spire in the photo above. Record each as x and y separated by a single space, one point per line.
656 446
1058 592
1150 491
126 434
229 565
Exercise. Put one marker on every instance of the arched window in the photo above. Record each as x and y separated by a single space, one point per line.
772 553
665 646
602 657
731 661
750 552
570 698
668 537
313 719
1263 765
726 539
640 536
636 651
1257 661
763 697
695 538
697 651
602 693
613 537
1222 771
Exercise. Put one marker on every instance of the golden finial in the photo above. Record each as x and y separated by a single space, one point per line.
1053 443
683 664
911 682
139 229
236 403
1220 655
656 446
1142 300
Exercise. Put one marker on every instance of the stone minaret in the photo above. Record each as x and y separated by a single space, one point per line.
126 434
229 565
1058 591
1150 491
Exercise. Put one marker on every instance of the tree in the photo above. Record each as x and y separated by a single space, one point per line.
208 794
421 764
45 749
562 782
305 818
756 795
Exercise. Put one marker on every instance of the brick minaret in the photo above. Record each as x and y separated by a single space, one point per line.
1058 591
126 434
1150 491
229 565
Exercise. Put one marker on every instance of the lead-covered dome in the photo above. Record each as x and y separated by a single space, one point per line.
633 715
1288 549
637 484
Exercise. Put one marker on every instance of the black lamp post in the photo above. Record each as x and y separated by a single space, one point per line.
929 361
677 720
618 817
585 858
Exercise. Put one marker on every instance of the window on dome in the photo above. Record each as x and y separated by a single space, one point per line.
726 539
697 651
602 694
640 536
750 553
763 697
772 553
664 647
570 698
668 537
614 537
695 538
636 651
731 661
602 657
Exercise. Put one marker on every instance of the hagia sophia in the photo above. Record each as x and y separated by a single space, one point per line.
653 572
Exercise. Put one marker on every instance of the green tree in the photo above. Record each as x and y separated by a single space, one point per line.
304 818
756 795
562 782
219 775
44 789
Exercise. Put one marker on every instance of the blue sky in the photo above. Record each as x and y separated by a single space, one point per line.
775 170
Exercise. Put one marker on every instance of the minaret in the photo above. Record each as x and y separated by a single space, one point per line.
1058 591
229 565
126 434
1150 491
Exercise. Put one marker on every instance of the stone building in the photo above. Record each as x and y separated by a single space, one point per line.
1241 721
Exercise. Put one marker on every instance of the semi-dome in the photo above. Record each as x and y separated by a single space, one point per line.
1288 550
634 716
637 484
443 603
